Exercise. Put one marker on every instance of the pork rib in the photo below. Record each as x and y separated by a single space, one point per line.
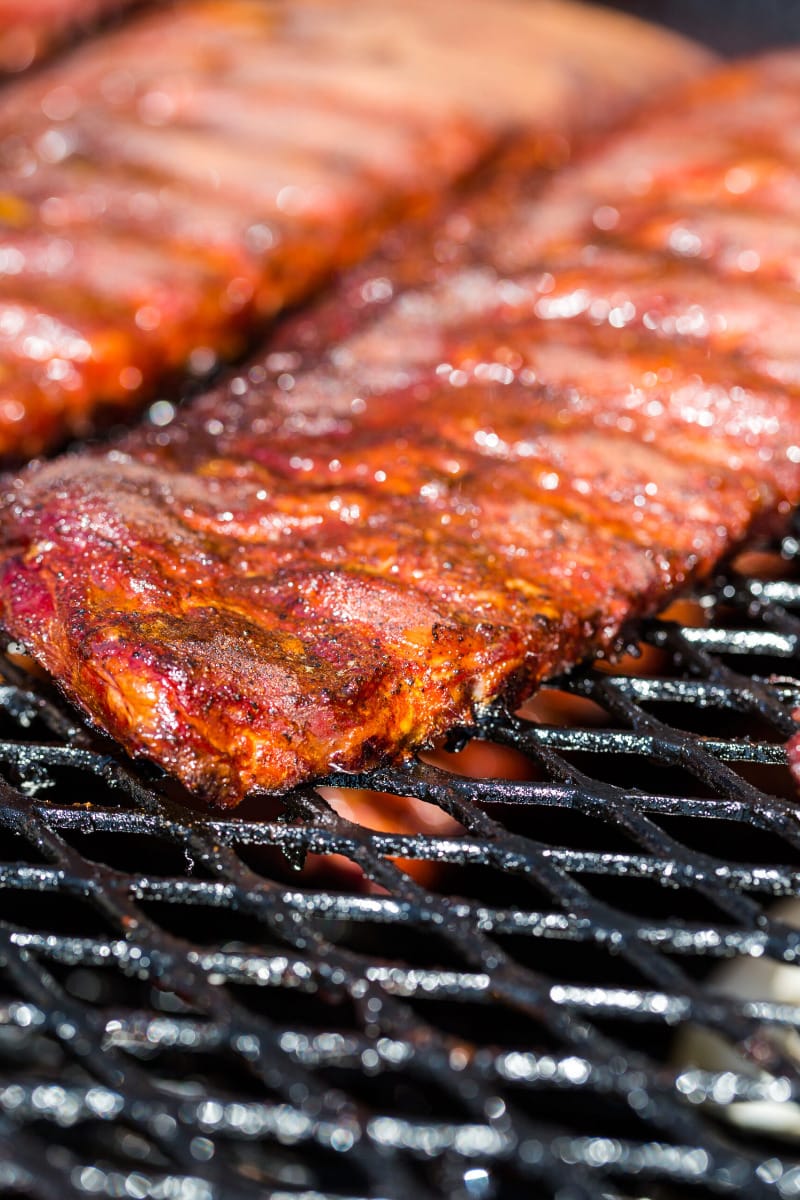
168 186
466 470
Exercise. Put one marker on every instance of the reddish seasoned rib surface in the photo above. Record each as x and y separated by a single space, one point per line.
464 471
32 28
168 186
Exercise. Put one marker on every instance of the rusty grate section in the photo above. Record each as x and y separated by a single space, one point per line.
528 1003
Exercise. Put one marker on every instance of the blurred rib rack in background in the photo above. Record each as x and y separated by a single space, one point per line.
168 186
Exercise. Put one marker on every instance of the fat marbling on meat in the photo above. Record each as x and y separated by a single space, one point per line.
470 466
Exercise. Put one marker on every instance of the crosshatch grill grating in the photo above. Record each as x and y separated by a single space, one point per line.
183 1018
186 1014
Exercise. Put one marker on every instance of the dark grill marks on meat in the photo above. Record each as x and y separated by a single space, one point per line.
166 188
449 481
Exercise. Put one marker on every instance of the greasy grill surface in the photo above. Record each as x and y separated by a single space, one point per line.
182 1015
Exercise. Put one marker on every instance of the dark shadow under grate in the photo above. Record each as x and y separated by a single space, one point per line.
197 1006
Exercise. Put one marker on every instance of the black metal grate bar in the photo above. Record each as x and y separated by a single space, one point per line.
205 1006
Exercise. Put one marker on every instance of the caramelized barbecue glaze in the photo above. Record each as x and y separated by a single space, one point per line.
468 468
170 185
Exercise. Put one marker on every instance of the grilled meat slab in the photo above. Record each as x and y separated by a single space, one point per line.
467 469
168 186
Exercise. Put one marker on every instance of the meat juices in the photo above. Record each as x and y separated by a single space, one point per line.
167 187
462 472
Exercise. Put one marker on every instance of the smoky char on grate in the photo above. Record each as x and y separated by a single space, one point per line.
470 467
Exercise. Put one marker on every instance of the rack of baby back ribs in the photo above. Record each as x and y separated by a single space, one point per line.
394 787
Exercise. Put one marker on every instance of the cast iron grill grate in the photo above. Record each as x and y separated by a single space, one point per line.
197 1006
